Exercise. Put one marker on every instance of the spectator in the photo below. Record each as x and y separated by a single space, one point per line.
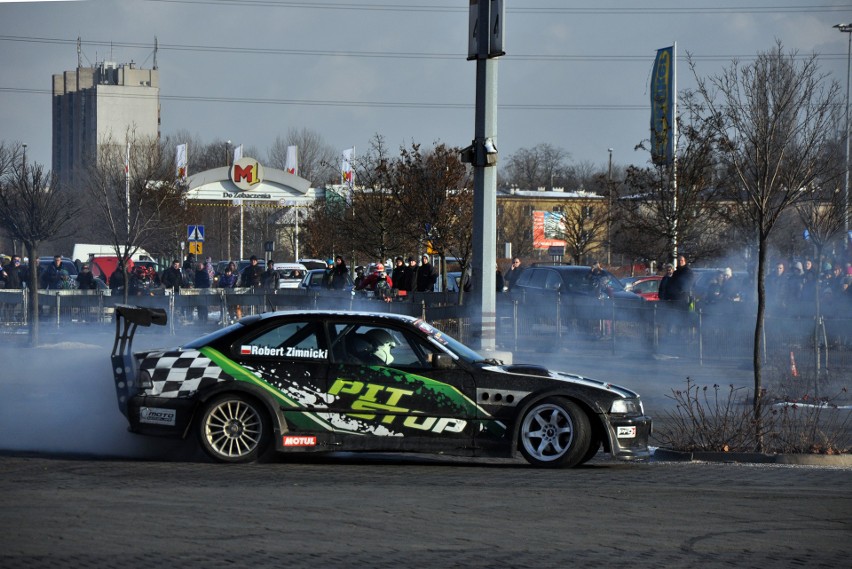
664 282
228 279
729 289
370 281
338 280
116 279
409 277
795 284
201 280
514 272
775 286
427 275
172 277
597 280
384 288
398 274
65 281
680 285
12 273
189 263
252 275
499 280
85 278
269 279
51 277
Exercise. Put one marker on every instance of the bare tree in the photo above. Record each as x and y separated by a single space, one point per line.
34 208
515 226
136 199
583 228
543 165
436 191
770 122
317 160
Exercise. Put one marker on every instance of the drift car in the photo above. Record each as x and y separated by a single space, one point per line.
346 381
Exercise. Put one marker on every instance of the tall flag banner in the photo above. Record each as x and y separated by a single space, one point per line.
180 163
346 174
238 152
663 107
292 163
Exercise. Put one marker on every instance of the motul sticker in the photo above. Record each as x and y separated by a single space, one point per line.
300 441
626 432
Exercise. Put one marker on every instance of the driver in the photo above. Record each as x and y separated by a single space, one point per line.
382 343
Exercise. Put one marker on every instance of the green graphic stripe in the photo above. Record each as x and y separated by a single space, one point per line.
443 395
300 419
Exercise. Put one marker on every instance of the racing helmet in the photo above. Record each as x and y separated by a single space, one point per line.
379 337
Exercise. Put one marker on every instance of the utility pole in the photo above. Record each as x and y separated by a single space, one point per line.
484 46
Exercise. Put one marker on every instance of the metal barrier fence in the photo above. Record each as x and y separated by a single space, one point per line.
722 332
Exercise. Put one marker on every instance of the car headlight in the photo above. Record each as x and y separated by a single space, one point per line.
627 407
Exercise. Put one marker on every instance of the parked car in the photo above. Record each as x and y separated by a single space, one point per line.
314 277
321 381
648 287
290 275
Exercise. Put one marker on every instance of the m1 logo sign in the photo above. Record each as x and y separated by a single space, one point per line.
246 173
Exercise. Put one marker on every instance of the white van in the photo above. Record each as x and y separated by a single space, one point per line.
290 275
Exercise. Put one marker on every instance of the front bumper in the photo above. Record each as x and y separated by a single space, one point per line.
629 436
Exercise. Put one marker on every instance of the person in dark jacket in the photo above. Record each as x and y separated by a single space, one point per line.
11 273
337 279
252 275
172 277
116 279
679 288
427 275
85 278
201 280
409 277
52 276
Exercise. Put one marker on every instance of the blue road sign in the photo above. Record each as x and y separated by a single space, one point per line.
195 233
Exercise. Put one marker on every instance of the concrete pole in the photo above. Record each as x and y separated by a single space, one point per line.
485 196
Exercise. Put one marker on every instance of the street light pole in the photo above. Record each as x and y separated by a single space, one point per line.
847 29
609 212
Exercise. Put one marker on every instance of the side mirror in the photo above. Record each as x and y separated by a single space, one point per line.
442 361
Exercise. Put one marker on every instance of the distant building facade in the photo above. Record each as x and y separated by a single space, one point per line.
95 104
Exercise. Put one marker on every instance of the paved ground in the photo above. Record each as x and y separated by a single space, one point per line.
381 512
138 502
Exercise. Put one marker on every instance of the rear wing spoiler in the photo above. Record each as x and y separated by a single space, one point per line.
127 319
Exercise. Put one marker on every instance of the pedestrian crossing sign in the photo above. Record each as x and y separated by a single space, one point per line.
195 233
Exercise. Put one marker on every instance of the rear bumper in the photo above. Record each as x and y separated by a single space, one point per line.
160 416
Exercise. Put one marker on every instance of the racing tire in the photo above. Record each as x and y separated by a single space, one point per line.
555 433
594 447
234 428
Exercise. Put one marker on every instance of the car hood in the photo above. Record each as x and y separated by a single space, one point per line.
560 376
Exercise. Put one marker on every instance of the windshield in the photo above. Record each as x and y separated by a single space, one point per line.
449 342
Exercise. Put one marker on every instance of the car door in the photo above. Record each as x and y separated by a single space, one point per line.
401 403
290 359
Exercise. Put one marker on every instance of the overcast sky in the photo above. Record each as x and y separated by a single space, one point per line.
575 74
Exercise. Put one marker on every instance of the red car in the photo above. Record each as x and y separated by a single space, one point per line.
646 287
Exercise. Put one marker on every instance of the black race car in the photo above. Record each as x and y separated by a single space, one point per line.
347 381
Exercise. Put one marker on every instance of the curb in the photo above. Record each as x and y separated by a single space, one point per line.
662 454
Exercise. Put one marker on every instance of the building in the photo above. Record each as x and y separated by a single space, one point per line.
95 104
548 223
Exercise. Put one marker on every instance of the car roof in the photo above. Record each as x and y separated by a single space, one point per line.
278 266
400 318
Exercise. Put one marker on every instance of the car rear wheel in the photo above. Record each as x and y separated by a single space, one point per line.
234 428
555 433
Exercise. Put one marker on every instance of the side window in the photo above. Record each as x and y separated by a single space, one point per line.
538 278
554 281
296 340
361 344
524 278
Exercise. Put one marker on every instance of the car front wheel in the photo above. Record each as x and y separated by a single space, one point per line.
555 433
234 428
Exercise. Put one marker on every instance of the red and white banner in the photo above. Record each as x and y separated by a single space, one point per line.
292 163
347 176
180 163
